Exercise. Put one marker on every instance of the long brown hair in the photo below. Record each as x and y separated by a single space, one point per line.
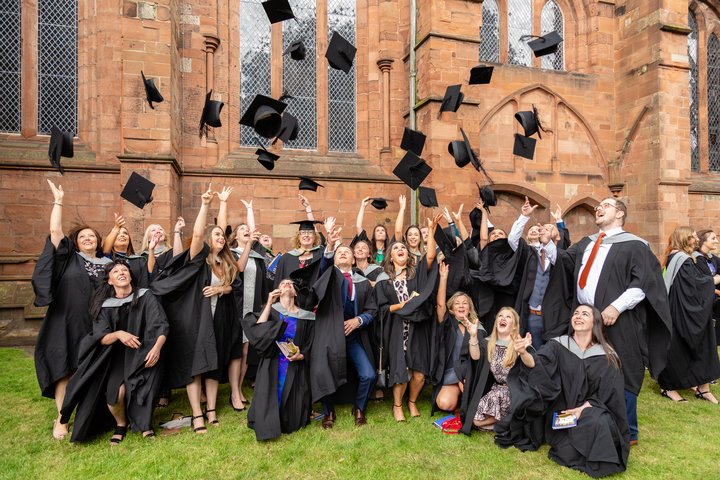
373 241
73 236
681 239
227 260
510 353
598 335
389 267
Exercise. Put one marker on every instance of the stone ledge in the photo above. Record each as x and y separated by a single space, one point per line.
153 159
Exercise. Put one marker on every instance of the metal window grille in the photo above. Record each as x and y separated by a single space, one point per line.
341 86
551 20
254 62
57 65
714 103
520 19
694 95
10 66
490 32
299 78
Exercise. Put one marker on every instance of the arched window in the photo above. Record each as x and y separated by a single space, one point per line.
254 61
694 94
10 66
551 20
520 21
341 85
490 32
713 78
57 65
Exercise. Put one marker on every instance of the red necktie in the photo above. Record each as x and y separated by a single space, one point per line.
591 259
348 277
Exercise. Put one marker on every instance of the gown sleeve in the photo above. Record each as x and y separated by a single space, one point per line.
262 336
48 270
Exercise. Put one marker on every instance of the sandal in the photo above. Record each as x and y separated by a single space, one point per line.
148 434
415 407
212 422
202 429
701 395
120 431
664 393
58 435
401 417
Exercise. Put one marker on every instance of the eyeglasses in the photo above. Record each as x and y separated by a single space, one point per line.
605 205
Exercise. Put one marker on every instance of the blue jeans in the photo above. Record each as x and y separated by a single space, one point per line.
631 409
365 371
536 329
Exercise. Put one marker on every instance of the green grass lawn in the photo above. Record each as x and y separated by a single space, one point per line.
676 441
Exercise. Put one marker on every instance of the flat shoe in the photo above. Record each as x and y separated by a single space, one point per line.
664 393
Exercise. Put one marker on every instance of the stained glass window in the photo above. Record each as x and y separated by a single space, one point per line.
551 20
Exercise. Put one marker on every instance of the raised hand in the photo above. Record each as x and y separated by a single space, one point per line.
334 237
58 192
255 235
208 195
402 201
225 194
528 209
329 224
179 224
274 295
119 221
443 269
446 214
304 201
365 202
248 205
458 214
521 343
432 224
154 240
471 328
557 214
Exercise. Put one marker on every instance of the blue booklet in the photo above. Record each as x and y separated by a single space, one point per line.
439 422
561 421
273 265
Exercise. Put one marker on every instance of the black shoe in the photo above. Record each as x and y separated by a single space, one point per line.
121 431
212 422
201 429
234 407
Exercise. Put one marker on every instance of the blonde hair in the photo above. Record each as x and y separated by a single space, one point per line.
146 238
510 353
472 316
227 260
296 240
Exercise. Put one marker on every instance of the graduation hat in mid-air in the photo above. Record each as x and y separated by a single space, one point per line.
296 50
306 224
152 94
462 152
308 184
266 157
530 121
61 145
138 190
264 115
288 128
487 195
452 100
278 10
211 114
480 75
545 45
413 141
524 146
412 170
427 197
380 203
340 53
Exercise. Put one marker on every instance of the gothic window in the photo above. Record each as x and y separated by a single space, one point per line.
490 32
551 20
10 66
341 86
694 94
520 21
713 79
254 61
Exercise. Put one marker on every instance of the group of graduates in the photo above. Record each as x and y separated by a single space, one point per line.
518 332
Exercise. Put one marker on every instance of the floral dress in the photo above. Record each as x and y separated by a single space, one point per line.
403 296
496 403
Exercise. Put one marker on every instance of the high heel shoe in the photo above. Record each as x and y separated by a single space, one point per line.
201 429
234 407
212 422
701 395
410 402
401 417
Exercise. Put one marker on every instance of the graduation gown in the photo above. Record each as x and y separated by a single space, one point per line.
86 389
290 262
693 355
61 282
266 417
478 381
138 267
640 336
565 377
708 265
418 312
161 262
372 272
200 343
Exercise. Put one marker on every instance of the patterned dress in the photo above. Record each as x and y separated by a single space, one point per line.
403 296
496 402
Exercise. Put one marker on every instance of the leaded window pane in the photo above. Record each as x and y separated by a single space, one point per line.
694 95
490 32
714 103
254 62
551 20
520 17
299 76
10 66
57 65
341 85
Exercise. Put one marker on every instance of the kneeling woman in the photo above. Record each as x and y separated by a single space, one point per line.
578 375
281 402
118 360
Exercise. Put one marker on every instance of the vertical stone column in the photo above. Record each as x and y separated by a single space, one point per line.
385 65
211 44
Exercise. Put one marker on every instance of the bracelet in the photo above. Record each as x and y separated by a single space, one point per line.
474 344
178 232
308 211
57 203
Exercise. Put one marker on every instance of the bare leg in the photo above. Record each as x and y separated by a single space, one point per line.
448 397
211 389
672 395
118 412
60 429
704 391
235 383
398 393
486 423
193 393
416 383
243 369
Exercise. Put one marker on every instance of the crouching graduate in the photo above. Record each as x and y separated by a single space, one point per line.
346 307
118 379
572 391
282 335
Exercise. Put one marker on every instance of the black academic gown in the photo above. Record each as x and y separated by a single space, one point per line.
640 336
563 378
418 312
266 417
478 381
86 389
290 262
693 355
200 343
61 283
704 265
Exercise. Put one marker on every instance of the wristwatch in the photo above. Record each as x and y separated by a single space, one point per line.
361 321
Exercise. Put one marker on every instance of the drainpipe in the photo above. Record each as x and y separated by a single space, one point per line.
414 207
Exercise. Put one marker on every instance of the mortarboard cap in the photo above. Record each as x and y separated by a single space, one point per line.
487 195
452 99
413 141
524 146
288 128
545 45
427 197
480 74
308 184
138 190
210 114
380 203
264 115
296 50
266 157
530 122
152 94
412 170
340 53
445 240
462 152
278 10
303 279
306 224
61 145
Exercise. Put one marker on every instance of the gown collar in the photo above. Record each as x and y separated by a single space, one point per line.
569 343
117 302
300 314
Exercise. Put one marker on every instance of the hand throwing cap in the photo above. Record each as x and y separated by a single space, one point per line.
412 170
264 115
340 53
138 190
152 94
